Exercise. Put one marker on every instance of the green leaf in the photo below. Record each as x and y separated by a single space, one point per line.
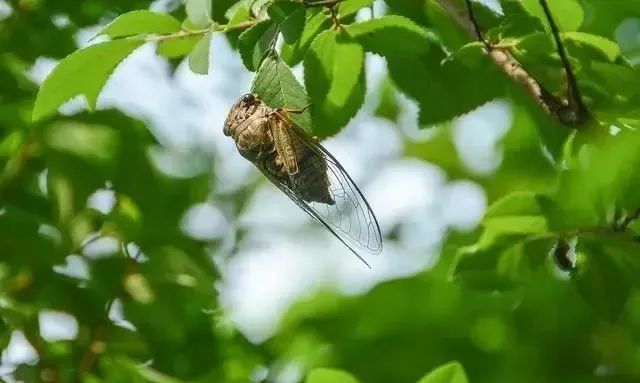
199 12
199 56
328 375
316 21
609 48
84 72
348 8
452 372
390 35
179 46
334 77
388 105
568 14
255 42
290 16
435 83
278 88
141 22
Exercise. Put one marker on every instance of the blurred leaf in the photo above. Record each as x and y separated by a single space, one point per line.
92 143
382 36
290 17
334 77
600 279
199 56
277 86
316 21
254 43
449 373
83 72
567 14
327 375
141 22
199 12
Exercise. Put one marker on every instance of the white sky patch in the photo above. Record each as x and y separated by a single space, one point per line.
19 351
476 136
204 222
57 325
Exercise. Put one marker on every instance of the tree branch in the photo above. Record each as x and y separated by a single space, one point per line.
501 56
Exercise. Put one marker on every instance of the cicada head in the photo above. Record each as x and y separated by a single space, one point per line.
242 110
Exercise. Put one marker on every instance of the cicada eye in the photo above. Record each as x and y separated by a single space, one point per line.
248 98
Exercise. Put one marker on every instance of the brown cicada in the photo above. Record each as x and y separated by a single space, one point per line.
304 170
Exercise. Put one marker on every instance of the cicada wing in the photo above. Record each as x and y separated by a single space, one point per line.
309 210
350 217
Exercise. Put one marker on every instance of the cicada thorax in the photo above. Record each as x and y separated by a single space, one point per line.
266 139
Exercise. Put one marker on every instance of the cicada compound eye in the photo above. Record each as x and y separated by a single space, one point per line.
248 98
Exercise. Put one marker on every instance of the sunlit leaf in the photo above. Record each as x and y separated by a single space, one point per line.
277 86
139 23
199 56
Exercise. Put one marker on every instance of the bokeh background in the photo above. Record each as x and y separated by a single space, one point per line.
281 295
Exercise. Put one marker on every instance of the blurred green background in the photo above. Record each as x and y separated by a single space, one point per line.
137 246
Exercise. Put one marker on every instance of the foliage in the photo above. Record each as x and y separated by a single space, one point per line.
566 189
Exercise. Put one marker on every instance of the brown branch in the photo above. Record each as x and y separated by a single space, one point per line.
549 103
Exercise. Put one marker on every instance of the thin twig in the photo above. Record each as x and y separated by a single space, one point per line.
573 91
476 26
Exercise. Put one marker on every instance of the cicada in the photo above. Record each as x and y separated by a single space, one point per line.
304 170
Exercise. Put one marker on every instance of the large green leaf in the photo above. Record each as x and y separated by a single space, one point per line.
84 72
390 35
278 88
334 77
290 16
449 373
141 22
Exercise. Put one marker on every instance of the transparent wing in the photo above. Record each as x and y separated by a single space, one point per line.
350 217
